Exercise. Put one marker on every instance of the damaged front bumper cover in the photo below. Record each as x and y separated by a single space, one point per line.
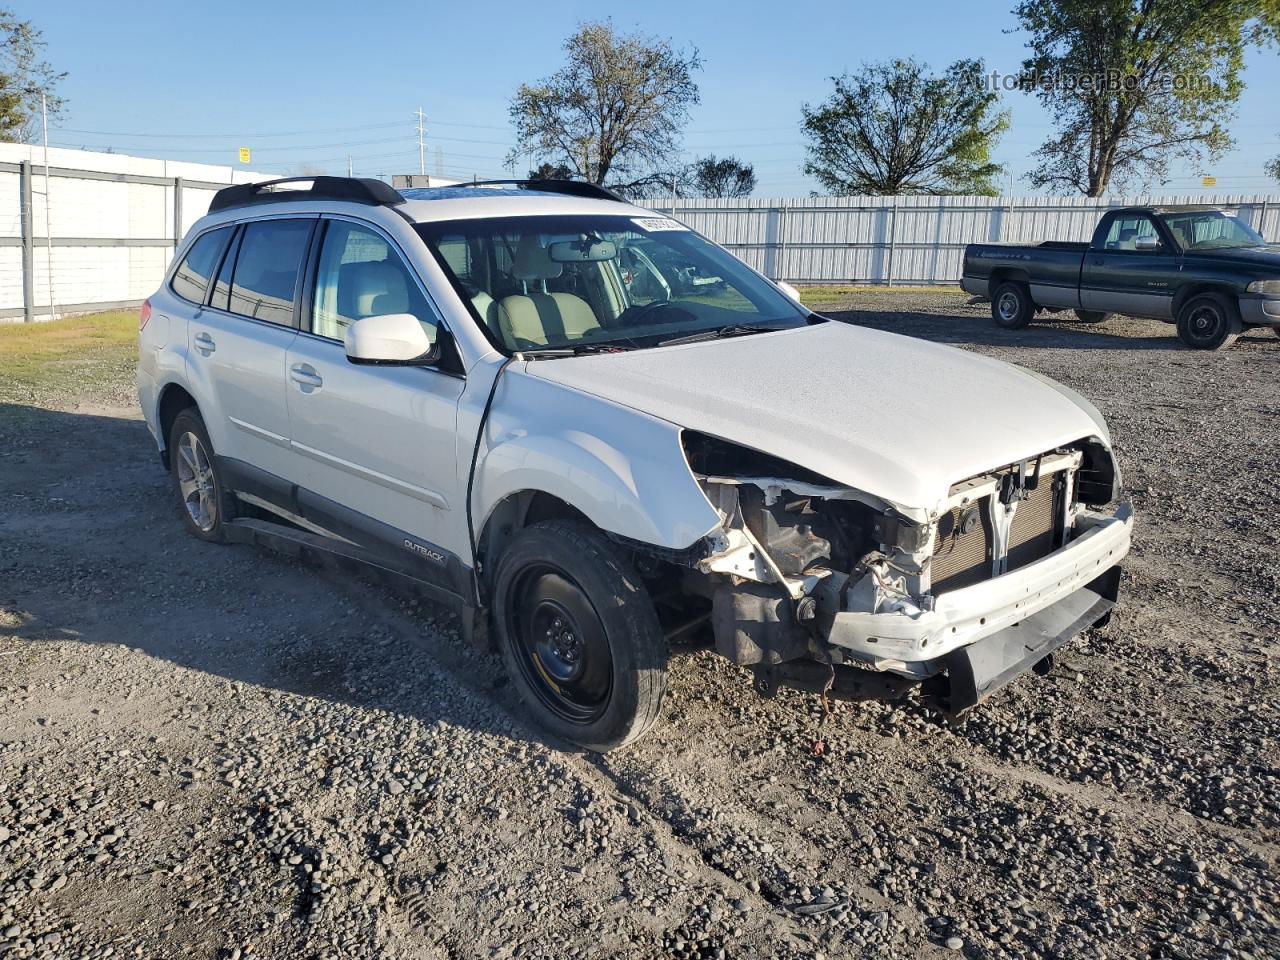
975 640
916 642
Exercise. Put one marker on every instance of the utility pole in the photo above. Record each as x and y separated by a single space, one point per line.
422 144
48 233
348 165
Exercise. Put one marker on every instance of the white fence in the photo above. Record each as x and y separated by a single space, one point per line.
909 240
113 220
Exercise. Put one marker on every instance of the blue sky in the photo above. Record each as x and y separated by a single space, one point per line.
313 83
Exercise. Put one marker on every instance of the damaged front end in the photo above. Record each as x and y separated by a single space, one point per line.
826 588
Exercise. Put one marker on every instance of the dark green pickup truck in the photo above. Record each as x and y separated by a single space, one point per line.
1201 268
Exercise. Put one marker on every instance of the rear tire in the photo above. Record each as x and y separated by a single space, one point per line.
579 636
1092 316
1011 306
205 504
1209 321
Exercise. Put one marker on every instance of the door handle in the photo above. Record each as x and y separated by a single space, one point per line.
204 343
1098 261
305 375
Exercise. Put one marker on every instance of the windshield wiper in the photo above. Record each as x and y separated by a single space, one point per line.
716 333
573 350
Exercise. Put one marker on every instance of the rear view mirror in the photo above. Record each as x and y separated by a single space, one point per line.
393 338
582 251
1147 244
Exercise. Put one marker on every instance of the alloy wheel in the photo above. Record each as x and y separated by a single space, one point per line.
196 483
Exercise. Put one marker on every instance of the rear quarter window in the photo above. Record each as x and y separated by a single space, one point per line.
191 279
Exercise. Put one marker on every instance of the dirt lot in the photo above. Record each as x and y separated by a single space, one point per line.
212 752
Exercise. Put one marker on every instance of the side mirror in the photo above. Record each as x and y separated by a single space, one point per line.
1147 244
393 339
788 289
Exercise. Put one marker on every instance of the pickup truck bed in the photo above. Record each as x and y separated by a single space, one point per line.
1194 266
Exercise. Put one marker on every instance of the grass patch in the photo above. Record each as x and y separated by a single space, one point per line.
828 293
41 363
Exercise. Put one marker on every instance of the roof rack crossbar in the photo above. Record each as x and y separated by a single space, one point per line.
573 188
350 189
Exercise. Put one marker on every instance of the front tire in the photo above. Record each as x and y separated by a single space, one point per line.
579 636
1011 306
205 504
1209 321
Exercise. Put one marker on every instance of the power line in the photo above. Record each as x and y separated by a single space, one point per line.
215 136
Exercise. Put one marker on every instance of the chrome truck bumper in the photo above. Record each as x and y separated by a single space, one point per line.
1260 312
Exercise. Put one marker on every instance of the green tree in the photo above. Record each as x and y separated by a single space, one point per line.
23 77
718 177
892 128
551 171
615 111
1133 84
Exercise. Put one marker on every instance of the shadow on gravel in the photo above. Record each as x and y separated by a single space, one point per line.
980 331
92 550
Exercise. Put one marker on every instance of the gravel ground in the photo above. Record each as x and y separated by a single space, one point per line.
213 752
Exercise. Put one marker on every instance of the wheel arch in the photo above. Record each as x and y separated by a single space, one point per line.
515 512
174 398
563 452
1008 275
1195 289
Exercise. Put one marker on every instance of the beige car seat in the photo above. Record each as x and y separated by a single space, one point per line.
536 316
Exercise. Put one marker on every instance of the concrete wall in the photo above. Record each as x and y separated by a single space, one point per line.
112 220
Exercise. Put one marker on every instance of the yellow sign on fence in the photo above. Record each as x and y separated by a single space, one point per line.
1208 181
244 154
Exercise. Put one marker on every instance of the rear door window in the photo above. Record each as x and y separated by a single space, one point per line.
191 279
264 280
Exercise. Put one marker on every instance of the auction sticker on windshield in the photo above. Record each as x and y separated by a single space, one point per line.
653 224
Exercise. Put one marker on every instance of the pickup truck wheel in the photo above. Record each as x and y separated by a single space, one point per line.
1209 322
204 503
579 636
1011 306
1092 316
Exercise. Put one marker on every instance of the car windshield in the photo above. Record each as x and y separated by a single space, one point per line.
578 283
1210 230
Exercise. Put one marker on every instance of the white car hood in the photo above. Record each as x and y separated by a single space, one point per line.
893 416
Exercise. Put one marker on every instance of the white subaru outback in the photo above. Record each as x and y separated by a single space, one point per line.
593 431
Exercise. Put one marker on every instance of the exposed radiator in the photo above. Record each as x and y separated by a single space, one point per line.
1034 531
961 559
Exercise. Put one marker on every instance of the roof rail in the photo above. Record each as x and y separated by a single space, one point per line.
349 189
572 188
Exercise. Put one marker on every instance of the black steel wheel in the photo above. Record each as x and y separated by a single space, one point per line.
579 636
564 653
1209 321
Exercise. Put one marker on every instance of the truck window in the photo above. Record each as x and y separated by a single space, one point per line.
1126 230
